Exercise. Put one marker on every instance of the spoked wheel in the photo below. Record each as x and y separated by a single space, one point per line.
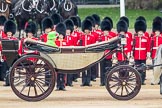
123 82
32 78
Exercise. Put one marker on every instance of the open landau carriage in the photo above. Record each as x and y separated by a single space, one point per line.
32 76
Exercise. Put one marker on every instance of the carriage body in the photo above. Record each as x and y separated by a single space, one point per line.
36 70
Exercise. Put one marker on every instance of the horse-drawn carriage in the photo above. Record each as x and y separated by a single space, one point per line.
32 76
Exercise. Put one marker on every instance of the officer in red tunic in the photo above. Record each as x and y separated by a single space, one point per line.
105 36
122 28
9 30
70 42
86 38
47 26
61 41
141 46
156 39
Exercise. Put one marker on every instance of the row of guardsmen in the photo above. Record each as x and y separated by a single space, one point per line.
73 32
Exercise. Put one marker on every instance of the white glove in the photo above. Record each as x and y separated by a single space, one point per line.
114 56
148 55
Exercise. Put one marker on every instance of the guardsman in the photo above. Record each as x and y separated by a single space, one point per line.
122 28
105 36
94 69
141 46
47 26
61 41
2 35
86 38
56 18
9 30
70 42
76 34
156 39
30 30
97 24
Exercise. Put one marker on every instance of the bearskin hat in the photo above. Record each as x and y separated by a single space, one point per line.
10 26
110 20
2 19
86 24
91 19
140 25
105 25
157 18
56 18
97 19
125 19
47 23
75 20
61 28
79 20
141 18
31 27
157 25
122 26
69 24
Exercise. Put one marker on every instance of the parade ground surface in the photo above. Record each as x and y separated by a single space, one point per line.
86 97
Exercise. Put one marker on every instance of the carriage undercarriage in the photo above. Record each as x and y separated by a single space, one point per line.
32 77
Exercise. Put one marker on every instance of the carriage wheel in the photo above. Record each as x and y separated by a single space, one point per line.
32 78
123 82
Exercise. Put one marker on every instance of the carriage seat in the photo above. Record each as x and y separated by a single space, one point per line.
10 50
101 46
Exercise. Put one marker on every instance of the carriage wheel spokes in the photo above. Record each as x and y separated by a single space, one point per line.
123 82
32 78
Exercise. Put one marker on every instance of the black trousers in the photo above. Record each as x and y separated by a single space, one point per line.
94 71
3 69
86 77
142 72
103 65
60 80
69 79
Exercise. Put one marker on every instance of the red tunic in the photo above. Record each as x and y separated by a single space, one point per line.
141 47
70 40
155 41
76 36
106 38
43 37
85 40
127 47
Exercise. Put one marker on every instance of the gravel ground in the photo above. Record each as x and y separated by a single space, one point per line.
85 97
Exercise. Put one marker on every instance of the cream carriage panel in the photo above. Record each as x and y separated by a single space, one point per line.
74 61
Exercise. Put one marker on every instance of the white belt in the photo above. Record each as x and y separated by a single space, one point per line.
140 48
125 48
155 47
